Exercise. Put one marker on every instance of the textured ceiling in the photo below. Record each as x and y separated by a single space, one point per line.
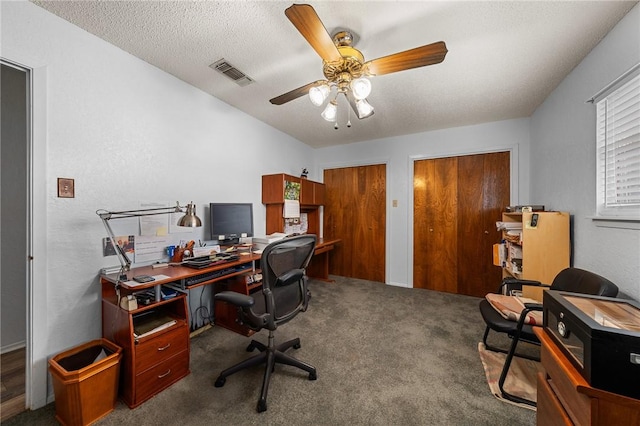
504 57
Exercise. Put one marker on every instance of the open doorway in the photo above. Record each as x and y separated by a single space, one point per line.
14 157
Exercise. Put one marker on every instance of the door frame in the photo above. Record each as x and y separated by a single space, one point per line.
513 188
387 207
36 376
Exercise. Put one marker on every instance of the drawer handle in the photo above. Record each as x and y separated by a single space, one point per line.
162 376
164 347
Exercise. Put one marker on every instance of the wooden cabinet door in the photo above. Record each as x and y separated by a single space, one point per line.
355 212
457 201
311 193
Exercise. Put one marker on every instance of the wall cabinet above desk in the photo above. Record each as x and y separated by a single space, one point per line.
273 190
311 197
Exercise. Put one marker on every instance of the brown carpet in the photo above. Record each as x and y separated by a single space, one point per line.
385 355
520 381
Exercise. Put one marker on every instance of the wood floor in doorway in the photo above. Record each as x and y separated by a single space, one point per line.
12 381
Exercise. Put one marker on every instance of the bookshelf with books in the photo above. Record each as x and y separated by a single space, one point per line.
535 247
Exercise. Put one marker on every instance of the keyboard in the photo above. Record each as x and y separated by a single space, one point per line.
206 261
200 278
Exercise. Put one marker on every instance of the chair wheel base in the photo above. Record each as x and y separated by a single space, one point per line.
313 376
220 382
298 346
262 406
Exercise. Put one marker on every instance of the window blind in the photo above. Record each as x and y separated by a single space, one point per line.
618 150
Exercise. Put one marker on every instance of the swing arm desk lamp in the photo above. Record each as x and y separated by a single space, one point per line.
189 219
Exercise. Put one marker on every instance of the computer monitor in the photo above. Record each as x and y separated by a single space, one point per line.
230 221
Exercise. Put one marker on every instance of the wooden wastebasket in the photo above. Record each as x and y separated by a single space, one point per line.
85 381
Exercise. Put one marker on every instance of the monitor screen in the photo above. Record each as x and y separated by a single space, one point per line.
230 221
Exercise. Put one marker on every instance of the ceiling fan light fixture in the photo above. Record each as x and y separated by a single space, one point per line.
318 94
364 108
331 111
361 88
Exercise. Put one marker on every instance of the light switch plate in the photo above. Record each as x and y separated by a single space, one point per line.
66 188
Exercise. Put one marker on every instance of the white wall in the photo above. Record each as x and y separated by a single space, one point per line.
399 153
563 157
126 132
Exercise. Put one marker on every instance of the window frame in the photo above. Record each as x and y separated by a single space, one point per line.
625 91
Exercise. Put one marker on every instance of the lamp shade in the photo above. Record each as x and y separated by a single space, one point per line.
364 108
330 111
190 219
318 94
361 88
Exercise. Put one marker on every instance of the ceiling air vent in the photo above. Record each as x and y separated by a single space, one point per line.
224 67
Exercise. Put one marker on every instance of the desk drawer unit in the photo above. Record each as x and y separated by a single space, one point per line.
160 361
160 348
576 405
565 397
160 376
550 410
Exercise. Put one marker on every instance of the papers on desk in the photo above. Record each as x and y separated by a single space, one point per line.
151 322
132 283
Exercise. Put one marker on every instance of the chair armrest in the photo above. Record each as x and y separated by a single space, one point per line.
533 306
528 307
241 300
516 284
290 277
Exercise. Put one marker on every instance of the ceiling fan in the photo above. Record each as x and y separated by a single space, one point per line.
344 67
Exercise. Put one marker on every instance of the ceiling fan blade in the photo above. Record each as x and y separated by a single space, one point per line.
414 58
306 20
295 93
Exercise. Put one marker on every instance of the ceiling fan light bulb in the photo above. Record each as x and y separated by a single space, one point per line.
318 94
364 108
361 88
330 111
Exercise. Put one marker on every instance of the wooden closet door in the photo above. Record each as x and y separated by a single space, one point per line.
457 201
435 258
355 212
483 193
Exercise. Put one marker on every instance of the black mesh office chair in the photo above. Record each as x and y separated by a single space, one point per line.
570 279
284 294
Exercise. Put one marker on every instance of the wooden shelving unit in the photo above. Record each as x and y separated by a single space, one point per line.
544 249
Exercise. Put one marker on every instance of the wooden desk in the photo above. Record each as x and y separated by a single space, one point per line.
319 265
153 363
565 397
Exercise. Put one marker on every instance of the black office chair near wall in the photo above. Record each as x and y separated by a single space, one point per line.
571 280
284 294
